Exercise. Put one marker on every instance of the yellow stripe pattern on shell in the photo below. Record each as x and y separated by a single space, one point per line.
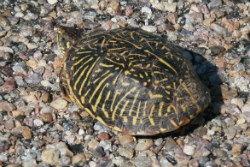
128 79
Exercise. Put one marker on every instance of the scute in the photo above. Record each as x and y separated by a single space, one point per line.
133 81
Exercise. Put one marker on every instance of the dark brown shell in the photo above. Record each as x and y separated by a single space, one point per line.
133 81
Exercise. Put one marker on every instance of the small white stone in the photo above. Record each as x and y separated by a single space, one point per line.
81 131
52 1
210 132
106 145
19 15
92 164
69 137
149 28
188 149
147 10
38 122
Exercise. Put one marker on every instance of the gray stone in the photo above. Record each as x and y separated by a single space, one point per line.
143 144
142 161
126 152
214 3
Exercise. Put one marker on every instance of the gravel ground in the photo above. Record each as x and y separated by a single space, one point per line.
39 128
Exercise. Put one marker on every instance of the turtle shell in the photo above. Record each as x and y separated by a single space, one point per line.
133 81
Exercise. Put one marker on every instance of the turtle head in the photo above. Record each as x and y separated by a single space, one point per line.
66 36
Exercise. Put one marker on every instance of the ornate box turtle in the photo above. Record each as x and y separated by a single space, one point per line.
130 80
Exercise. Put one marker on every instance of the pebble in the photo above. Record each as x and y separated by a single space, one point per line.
143 144
30 16
92 164
26 31
149 28
99 127
90 15
220 153
219 29
32 63
189 149
158 141
59 104
170 144
50 156
46 97
125 139
165 162
238 101
29 163
246 108
4 158
126 152
142 161
147 10
32 98
107 145
8 86
4 145
193 163
6 106
227 92
9 124
78 159
3 21
33 78
52 2
113 8
164 6
65 160
214 3
181 157
172 36
38 122
246 116
103 136
236 149
6 49
129 10
99 152
46 117
241 121
26 132
247 132
93 144
31 46
230 132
